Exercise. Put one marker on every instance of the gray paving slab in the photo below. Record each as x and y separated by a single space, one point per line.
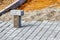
30 31
2 24
9 32
25 30
42 31
55 32
50 31
35 30
5 31
19 30
4 27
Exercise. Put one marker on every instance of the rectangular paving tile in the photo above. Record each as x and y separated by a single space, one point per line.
25 30
42 31
34 30
2 24
8 31
49 31
19 30
5 31
30 31
55 32
4 27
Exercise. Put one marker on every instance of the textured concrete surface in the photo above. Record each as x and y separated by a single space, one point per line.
34 30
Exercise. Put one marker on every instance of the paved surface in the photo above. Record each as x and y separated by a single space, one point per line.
35 30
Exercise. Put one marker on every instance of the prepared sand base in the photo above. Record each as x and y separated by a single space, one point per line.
36 15
5 3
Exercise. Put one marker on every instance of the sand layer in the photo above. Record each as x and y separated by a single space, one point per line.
37 15
47 13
